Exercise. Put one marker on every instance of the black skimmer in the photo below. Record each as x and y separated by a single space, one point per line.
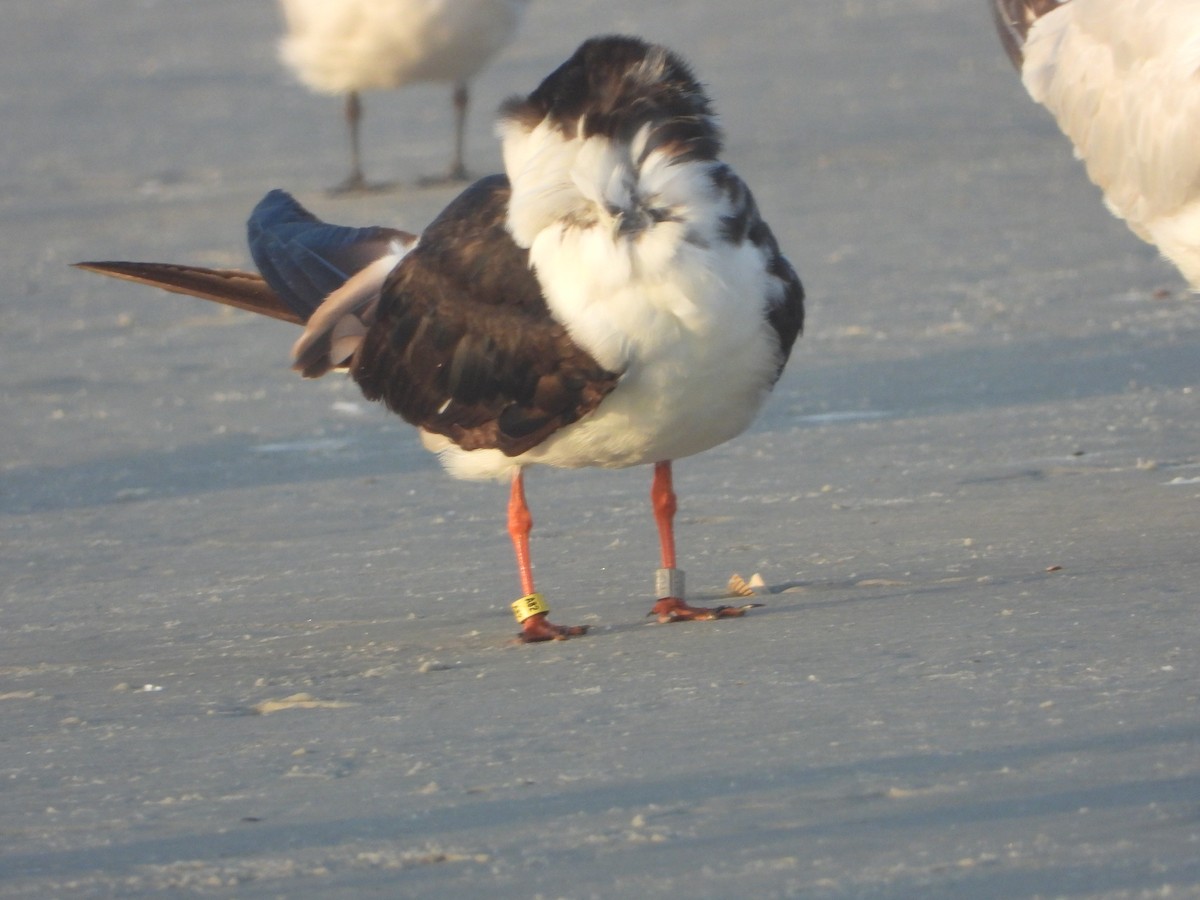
1120 79
346 47
613 299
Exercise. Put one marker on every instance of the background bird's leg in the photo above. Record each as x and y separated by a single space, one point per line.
458 166
355 181
669 579
530 610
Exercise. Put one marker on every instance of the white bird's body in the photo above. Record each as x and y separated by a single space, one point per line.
1122 79
345 47
339 46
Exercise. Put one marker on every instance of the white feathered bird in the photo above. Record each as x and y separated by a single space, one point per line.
1122 79
346 47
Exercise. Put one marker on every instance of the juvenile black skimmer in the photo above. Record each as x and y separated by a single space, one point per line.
1123 81
614 299
346 47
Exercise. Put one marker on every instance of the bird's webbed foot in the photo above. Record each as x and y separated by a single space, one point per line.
531 613
672 609
538 628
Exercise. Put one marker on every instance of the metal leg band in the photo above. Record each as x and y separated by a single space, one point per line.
668 583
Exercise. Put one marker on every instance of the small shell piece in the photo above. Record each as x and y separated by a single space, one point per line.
740 587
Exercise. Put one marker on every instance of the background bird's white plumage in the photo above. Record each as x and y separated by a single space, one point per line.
338 46
1123 81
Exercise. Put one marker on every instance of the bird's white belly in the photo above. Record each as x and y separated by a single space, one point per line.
709 393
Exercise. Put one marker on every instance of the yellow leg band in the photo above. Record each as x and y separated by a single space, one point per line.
529 606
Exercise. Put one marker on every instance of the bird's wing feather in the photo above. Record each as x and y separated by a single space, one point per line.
334 331
232 287
303 259
463 344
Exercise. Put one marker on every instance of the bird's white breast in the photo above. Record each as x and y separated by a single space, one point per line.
694 344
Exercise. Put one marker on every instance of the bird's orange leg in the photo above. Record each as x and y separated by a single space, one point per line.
662 498
530 610
520 524
669 579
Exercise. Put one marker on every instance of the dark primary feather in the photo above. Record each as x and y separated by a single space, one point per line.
463 345
303 259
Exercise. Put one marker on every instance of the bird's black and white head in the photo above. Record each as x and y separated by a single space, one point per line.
604 145
613 87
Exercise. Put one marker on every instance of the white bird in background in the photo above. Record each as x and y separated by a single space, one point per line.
1123 80
348 46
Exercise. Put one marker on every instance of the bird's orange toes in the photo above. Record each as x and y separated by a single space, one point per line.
672 609
538 628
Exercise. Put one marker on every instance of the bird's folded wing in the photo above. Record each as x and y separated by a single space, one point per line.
463 344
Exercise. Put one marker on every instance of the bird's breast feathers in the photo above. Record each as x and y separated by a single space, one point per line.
625 251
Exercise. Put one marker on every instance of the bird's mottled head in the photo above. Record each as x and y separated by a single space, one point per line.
613 86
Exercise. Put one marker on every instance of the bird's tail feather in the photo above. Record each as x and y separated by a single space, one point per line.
325 277
232 287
